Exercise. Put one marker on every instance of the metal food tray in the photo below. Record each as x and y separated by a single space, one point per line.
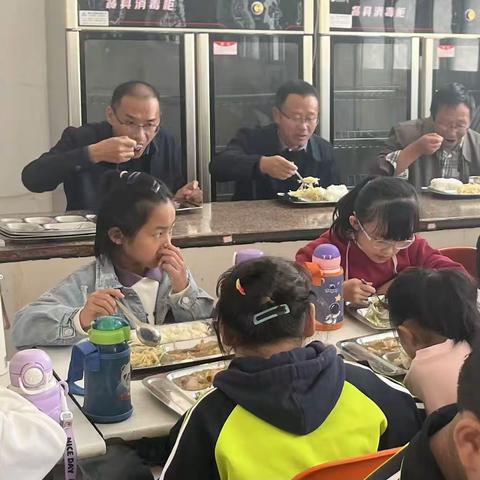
450 194
358 312
180 345
179 331
182 330
381 363
187 207
34 226
297 202
163 387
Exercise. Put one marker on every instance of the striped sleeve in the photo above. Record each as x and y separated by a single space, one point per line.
193 439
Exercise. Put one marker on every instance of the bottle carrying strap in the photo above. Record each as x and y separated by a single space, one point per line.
66 422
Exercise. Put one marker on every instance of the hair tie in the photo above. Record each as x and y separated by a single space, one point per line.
239 287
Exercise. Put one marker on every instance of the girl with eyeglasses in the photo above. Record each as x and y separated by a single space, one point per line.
374 228
135 263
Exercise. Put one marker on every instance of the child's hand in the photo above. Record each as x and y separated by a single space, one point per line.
172 262
357 291
99 304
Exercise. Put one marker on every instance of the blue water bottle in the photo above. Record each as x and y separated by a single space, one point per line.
327 284
104 363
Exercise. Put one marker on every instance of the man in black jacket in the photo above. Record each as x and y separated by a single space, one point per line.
130 139
263 160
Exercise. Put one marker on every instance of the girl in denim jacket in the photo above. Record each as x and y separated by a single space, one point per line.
135 262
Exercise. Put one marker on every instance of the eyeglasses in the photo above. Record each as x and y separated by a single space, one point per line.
387 244
299 120
150 128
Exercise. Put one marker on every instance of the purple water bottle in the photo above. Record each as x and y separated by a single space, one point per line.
31 376
246 254
327 283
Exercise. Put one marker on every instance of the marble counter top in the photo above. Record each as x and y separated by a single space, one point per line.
228 223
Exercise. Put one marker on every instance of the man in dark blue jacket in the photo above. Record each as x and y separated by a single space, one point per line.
263 160
130 139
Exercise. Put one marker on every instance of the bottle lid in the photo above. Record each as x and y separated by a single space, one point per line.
109 331
327 256
246 254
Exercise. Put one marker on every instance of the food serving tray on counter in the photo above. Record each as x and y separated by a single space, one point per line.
179 390
359 312
187 207
44 226
450 194
382 351
297 202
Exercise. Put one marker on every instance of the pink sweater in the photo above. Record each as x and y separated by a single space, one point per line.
433 375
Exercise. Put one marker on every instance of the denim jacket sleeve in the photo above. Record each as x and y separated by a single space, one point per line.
49 320
193 304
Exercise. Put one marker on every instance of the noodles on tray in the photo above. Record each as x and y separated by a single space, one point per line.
308 192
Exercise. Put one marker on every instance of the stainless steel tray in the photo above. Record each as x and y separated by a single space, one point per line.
187 207
180 345
358 312
175 332
44 226
296 202
450 194
380 361
163 386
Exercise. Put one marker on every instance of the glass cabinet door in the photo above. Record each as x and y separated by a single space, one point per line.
457 60
370 94
109 59
246 71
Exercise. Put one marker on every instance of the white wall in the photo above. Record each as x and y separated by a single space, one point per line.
24 118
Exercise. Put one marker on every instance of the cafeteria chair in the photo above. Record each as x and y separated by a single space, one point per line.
354 468
467 256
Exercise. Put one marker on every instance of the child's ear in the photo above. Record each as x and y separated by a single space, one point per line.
354 222
229 340
116 235
309 328
408 339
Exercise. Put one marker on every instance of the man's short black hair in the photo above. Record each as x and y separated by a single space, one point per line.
452 95
469 383
133 88
294 87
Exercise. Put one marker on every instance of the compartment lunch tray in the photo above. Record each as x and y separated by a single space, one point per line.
163 386
382 362
45 226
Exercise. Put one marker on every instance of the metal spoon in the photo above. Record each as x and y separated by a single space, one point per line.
147 334
300 178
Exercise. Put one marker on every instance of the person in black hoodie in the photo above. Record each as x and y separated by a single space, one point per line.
281 408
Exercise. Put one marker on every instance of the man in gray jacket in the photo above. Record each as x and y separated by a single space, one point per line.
442 145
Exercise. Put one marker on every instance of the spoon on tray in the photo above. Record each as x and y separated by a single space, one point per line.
147 334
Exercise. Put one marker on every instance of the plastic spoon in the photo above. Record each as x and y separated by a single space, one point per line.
147 334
